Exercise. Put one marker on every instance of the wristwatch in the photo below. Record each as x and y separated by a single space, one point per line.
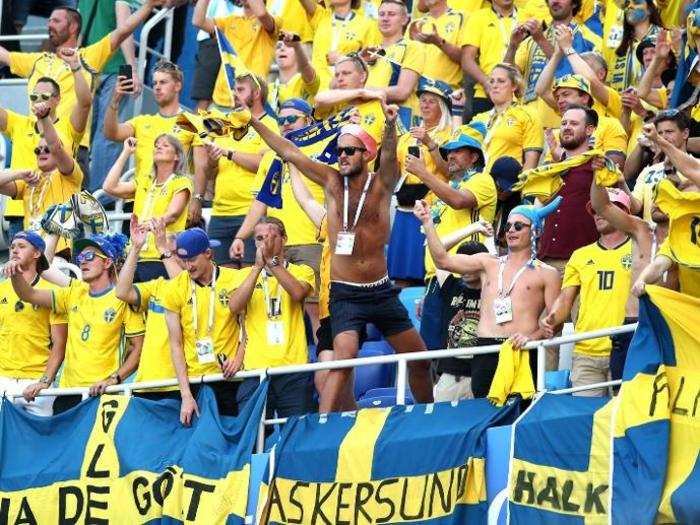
115 375
229 155
199 197
569 51
44 379
74 69
167 254
275 261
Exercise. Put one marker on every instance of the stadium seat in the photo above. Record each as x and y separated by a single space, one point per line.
373 333
378 347
408 298
557 380
371 376
313 356
374 402
390 392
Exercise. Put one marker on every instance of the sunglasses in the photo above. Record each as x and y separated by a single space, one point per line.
165 65
290 119
41 149
349 150
295 37
89 256
517 226
36 97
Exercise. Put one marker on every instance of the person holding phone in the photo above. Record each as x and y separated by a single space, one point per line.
297 78
421 144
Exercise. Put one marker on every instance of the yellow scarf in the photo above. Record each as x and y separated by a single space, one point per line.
545 181
216 123
683 210
513 375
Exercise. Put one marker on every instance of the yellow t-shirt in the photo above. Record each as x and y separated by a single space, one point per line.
152 200
613 108
538 9
176 296
341 36
450 26
97 325
254 46
670 11
406 140
467 7
24 135
292 16
146 129
511 133
683 210
33 66
604 277
688 278
612 32
155 362
411 55
292 351
25 333
490 33
55 188
300 229
645 186
448 220
235 185
295 88
371 117
325 271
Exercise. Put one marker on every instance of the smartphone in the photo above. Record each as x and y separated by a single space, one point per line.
414 150
125 71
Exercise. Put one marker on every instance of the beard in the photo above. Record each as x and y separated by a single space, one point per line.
351 171
574 142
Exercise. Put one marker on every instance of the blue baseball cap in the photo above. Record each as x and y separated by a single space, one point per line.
100 242
297 103
505 173
37 242
193 242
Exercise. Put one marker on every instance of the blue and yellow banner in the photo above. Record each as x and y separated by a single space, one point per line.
116 459
405 464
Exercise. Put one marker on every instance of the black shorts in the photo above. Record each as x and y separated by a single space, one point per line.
618 354
484 366
324 336
353 306
207 62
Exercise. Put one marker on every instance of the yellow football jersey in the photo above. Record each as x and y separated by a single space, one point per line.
325 270
406 140
146 129
300 229
176 296
604 278
235 185
279 92
155 362
97 325
33 66
448 219
152 200
25 333
450 26
688 278
261 352
683 210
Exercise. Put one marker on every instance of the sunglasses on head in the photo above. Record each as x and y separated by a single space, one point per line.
41 149
89 256
290 119
165 65
517 225
43 97
349 150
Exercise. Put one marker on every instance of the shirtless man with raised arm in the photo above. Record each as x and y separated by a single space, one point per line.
358 227
512 307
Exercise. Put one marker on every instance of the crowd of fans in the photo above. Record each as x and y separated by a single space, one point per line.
529 162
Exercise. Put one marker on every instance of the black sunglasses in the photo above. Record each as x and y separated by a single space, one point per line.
517 225
290 119
41 149
349 150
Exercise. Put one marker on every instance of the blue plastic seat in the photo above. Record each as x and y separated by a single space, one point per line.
371 376
374 402
557 380
379 347
388 392
373 333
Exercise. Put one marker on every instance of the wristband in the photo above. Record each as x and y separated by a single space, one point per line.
115 376
570 51
44 379
457 110
166 255
77 68
229 155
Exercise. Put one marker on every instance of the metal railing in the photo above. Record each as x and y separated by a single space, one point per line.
401 360
166 16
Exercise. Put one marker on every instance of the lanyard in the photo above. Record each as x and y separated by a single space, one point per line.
360 204
505 35
335 31
212 299
501 269
147 211
273 305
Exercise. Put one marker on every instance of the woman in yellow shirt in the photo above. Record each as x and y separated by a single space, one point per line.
166 195
511 130
405 256
642 19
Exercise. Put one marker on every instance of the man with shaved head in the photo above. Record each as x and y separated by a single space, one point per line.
358 202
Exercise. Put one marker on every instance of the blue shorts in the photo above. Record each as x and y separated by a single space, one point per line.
353 306
224 229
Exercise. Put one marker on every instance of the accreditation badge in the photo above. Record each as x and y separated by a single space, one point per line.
345 243
275 333
503 309
205 350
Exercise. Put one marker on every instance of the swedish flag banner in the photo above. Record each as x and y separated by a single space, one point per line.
656 475
116 459
405 464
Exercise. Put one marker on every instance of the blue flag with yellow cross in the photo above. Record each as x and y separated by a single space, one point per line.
118 459
405 464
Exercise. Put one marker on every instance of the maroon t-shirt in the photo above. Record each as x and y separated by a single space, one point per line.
570 226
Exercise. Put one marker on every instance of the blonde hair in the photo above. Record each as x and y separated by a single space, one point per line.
514 75
179 152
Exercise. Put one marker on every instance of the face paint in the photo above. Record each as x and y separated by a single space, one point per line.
636 15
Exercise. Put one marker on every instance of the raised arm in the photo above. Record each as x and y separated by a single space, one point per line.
199 17
316 171
129 25
684 162
112 129
313 209
389 171
24 291
112 183
618 218
8 178
330 98
128 48
565 41
240 297
306 69
481 226
64 160
452 263
646 83
83 95
266 20
272 247
454 198
543 87
124 289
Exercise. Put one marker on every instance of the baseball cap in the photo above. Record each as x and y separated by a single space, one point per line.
100 242
297 103
192 242
505 173
359 133
574 82
436 87
33 238
617 197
